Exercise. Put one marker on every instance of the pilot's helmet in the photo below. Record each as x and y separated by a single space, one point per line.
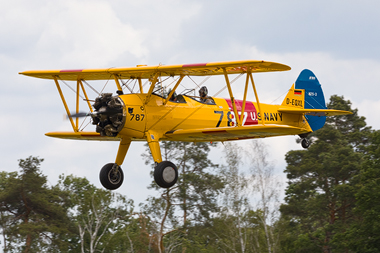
173 96
203 92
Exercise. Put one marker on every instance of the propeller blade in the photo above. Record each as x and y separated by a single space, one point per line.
80 115
107 112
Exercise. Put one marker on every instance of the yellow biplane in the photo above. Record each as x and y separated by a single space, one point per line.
161 114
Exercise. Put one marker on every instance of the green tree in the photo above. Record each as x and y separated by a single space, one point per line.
33 215
98 215
194 196
364 232
266 185
320 195
138 236
235 202
249 212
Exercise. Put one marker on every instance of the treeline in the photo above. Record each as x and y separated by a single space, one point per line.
332 198
331 201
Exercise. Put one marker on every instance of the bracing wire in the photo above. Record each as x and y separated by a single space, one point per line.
105 85
280 96
92 88
126 85
225 87
72 89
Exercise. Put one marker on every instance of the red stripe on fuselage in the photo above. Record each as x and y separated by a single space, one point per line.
250 112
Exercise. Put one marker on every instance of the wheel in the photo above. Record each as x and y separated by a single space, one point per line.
111 176
305 143
165 174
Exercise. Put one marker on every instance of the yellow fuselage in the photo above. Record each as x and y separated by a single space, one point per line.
142 117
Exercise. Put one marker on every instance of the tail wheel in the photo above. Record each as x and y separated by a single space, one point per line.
305 143
165 174
111 176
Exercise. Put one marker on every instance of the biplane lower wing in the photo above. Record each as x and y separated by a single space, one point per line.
233 133
314 112
88 136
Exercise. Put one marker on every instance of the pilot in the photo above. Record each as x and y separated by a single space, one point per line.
173 97
203 96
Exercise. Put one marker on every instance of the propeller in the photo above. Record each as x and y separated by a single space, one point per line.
102 111
80 115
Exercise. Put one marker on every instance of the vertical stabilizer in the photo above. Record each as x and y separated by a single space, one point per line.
313 97
294 98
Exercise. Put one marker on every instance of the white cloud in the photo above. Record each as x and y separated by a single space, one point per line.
370 110
88 32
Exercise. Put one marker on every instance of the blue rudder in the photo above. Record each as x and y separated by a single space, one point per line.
314 98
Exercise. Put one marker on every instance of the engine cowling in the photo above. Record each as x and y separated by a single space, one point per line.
108 117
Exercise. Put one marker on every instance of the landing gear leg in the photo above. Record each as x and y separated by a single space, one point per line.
111 175
165 172
122 152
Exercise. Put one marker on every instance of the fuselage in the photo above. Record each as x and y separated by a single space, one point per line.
188 113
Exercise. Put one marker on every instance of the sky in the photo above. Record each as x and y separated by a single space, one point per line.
338 40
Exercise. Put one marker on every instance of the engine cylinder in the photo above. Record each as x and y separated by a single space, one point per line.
108 117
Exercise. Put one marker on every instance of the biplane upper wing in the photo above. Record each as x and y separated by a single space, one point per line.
314 112
233 133
147 72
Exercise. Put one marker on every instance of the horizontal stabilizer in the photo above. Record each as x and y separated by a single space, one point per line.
314 112
88 136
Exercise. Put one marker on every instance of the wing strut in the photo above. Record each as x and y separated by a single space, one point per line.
140 84
75 128
257 97
154 81
238 122
77 107
85 94
245 98
174 88
79 86
118 83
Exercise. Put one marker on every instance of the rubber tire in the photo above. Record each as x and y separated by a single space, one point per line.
305 143
106 179
164 176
